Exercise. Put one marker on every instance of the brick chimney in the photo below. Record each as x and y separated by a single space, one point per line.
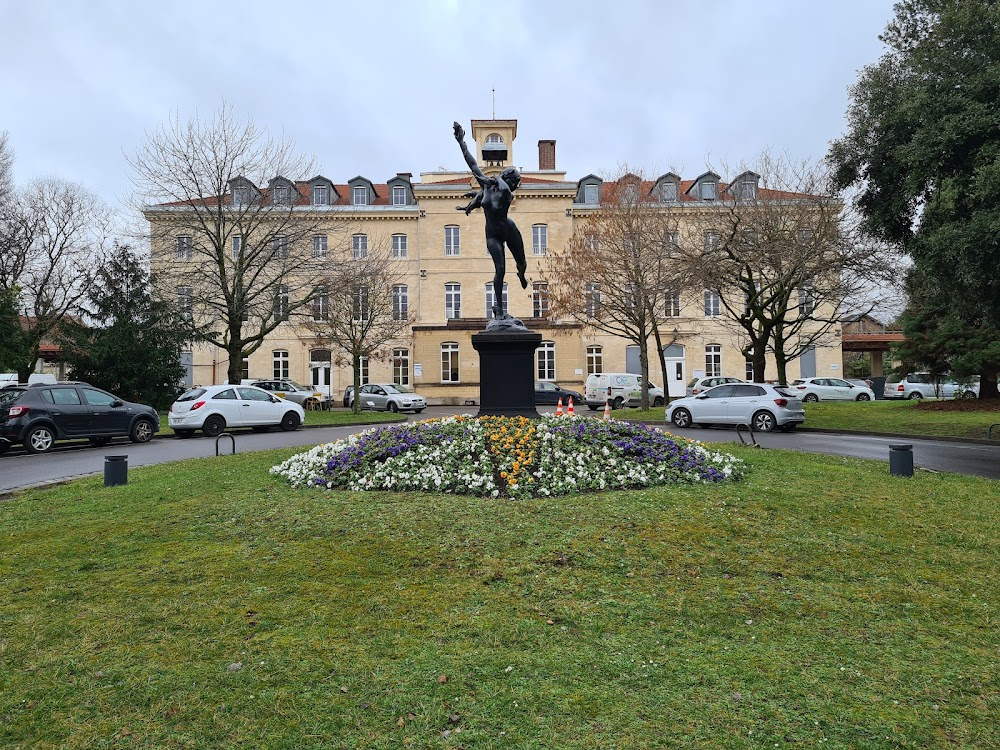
546 155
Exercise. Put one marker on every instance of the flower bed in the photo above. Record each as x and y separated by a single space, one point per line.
508 457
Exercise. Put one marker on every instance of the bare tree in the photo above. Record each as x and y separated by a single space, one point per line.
222 194
53 240
6 171
360 306
616 270
785 265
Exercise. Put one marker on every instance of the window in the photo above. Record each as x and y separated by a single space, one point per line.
401 366
185 247
547 360
592 300
227 395
539 239
245 369
400 302
708 191
668 192
711 241
279 362
359 308
672 302
712 303
590 243
449 362
321 306
399 246
398 195
241 196
97 398
237 245
713 361
746 189
359 246
749 370
671 243
595 360
280 247
279 197
185 301
319 246
62 396
807 299
281 302
363 367
320 195
452 301
540 299
359 196
494 138
452 240
591 194
491 300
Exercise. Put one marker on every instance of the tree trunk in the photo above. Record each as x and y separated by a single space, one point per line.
988 384
644 368
356 362
663 364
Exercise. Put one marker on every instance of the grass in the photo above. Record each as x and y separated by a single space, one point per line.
332 418
887 417
819 603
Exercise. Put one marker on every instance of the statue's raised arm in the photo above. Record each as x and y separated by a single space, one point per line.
469 158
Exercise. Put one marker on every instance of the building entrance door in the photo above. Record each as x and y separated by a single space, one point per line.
319 369
673 358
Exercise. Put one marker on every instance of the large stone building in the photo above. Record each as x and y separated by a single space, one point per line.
445 274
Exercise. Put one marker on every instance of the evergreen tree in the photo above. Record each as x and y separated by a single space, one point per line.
133 347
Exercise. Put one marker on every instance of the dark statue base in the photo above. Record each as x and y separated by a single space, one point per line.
507 373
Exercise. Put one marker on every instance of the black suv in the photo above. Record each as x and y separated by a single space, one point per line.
38 415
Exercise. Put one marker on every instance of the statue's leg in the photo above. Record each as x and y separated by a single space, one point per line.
516 245
495 248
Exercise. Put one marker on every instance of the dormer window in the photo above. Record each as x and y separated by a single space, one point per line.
591 194
359 196
709 191
320 195
398 195
279 196
746 189
241 196
668 192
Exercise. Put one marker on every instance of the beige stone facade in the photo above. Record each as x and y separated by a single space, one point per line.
445 256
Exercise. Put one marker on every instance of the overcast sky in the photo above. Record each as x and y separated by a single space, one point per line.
373 89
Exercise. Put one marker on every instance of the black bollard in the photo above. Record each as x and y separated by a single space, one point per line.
115 471
901 460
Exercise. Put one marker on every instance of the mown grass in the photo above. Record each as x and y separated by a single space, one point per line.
331 418
886 417
819 603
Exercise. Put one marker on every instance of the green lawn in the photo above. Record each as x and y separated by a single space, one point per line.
820 603
889 417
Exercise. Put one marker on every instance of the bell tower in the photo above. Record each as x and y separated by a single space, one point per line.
494 144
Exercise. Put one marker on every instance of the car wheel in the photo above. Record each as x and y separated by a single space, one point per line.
290 421
99 441
657 401
617 403
39 440
969 394
183 433
811 398
392 406
863 397
214 426
4 447
764 421
681 418
141 432
915 396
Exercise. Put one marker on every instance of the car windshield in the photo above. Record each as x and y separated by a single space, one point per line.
405 388
893 379
296 386
192 394
390 388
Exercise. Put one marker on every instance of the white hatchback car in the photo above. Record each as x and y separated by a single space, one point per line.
215 408
700 385
830 389
761 405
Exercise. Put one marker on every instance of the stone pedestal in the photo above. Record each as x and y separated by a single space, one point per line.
507 373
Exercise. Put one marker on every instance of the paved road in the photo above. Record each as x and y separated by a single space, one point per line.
19 470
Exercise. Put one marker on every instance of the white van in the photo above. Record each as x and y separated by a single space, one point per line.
620 388
10 378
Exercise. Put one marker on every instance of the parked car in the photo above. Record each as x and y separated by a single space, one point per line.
307 397
830 389
215 408
699 385
917 385
550 393
620 389
38 415
760 405
388 397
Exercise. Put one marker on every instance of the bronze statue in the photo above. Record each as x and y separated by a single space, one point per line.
494 197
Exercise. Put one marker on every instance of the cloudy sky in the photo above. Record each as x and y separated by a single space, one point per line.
373 90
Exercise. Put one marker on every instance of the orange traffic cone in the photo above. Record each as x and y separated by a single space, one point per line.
607 410
559 411
569 409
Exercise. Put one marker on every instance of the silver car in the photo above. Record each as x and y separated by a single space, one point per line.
700 385
760 405
307 398
830 389
388 397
